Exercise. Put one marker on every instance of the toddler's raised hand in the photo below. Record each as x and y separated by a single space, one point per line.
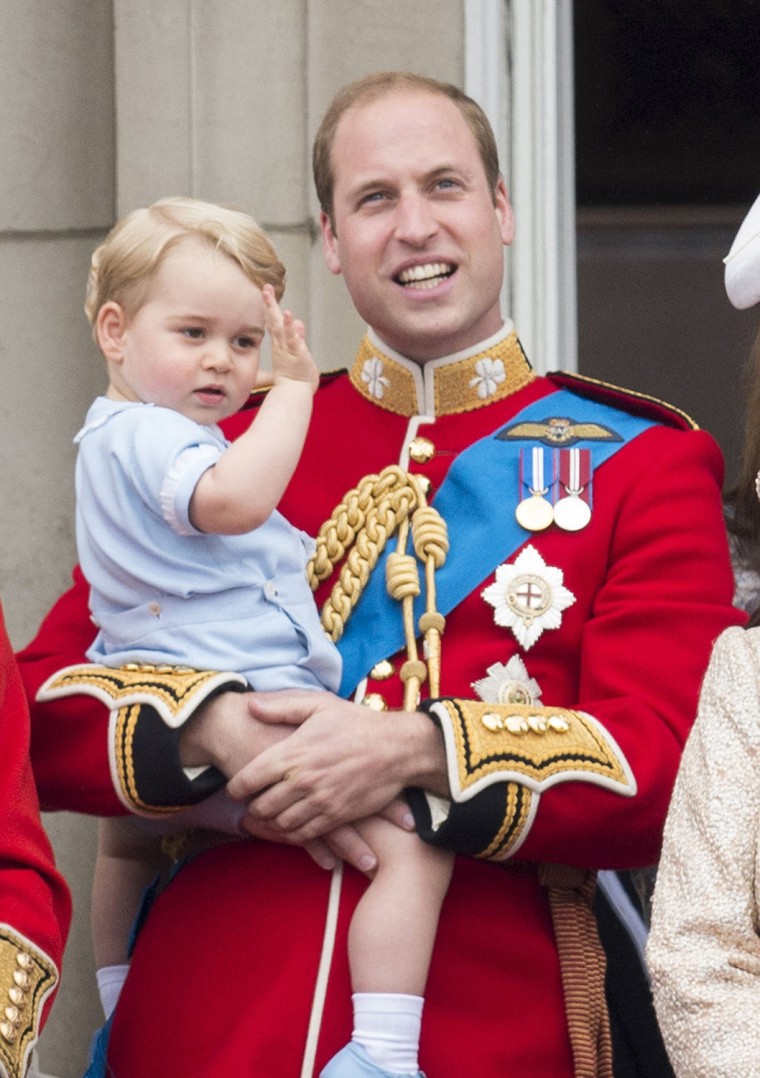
291 358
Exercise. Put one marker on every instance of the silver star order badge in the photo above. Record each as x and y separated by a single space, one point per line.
528 596
510 684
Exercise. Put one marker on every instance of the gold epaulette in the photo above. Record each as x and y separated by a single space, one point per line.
27 976
174 691
533 746
629 400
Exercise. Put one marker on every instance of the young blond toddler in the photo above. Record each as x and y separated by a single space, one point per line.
190 563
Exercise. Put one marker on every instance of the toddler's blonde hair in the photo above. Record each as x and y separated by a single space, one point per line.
123 266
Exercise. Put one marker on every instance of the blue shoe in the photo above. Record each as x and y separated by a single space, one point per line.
353 1062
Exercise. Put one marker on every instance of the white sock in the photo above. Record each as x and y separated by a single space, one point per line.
110 980
387 1026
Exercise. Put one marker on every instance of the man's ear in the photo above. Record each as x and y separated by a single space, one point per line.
329 244
110 330
504 213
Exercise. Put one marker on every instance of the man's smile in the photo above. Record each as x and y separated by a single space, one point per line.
425 276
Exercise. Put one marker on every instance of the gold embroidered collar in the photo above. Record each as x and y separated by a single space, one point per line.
492 370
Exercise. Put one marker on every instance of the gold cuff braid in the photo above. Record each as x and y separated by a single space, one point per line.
149 705
174 691
27 976
535 746
519 810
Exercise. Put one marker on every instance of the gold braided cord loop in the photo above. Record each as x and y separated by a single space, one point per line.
373 504
401 576
431 545
429 536
358 530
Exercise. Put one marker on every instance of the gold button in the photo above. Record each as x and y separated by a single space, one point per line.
492 721
16 996
424 482
382 671
375 701
8 1032
421 450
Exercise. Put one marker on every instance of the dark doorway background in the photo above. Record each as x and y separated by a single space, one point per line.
667 106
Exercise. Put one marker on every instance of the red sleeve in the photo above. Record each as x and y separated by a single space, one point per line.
35 905
69 736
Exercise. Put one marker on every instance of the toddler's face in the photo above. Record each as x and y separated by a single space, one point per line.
194 344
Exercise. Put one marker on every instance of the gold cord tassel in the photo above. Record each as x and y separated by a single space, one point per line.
358 530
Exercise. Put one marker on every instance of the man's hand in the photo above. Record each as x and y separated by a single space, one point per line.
225 732
342 762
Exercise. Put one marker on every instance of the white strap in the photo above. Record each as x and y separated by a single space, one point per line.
325 961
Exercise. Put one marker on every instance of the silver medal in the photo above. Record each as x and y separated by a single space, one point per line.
571 513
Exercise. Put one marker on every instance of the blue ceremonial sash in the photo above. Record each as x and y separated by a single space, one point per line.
477 499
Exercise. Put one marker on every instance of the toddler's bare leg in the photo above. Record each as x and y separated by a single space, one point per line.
393 929
128 859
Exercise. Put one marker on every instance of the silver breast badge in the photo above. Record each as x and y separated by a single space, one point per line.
528 596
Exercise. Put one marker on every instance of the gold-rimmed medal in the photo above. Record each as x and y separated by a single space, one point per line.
535 512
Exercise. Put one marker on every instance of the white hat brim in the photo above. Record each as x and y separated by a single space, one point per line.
742 274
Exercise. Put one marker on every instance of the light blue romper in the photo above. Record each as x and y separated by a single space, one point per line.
163 592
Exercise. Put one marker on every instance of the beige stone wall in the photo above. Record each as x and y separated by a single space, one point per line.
57 181
105 105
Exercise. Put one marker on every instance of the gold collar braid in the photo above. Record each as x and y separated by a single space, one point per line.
447 386
358 530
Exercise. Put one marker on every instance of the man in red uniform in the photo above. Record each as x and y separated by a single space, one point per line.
35 907
573 603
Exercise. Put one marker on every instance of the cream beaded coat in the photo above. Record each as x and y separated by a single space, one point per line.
704 946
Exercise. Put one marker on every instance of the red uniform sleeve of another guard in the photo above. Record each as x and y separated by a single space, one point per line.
35 906
69 745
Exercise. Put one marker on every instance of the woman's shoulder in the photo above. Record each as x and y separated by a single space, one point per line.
737 644
731 686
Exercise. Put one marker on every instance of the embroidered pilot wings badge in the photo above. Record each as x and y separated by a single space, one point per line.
528 596
559 431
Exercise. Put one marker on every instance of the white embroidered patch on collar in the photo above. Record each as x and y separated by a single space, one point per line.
528 596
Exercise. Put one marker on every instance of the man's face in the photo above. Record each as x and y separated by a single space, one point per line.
417 233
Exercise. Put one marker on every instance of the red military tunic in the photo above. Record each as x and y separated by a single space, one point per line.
35 907
224 973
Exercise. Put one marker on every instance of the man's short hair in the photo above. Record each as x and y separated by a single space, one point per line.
383 84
